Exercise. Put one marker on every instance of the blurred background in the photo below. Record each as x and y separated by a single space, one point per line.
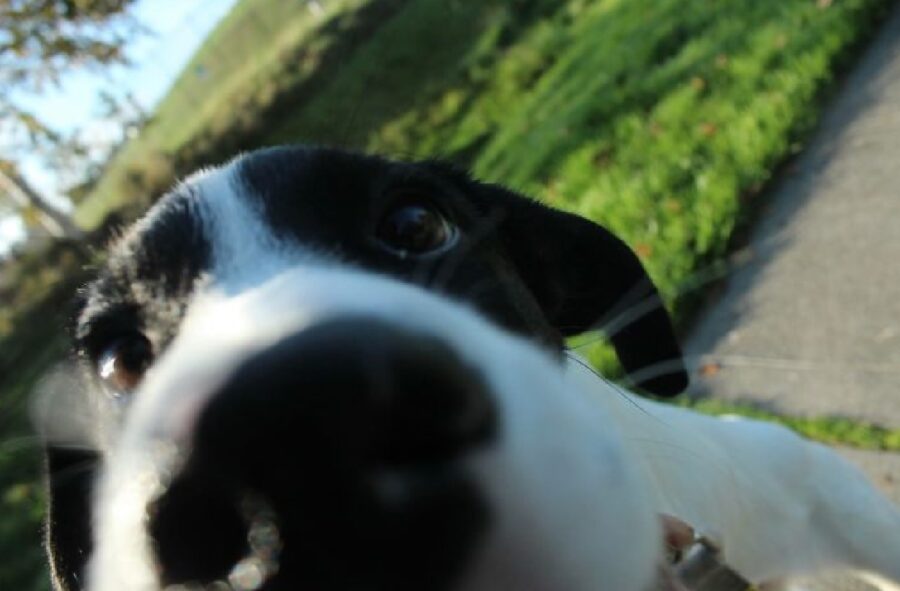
672 122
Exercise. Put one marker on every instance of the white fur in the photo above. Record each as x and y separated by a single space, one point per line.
781 506
244 250
578 472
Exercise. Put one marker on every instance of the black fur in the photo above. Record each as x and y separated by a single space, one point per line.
148 279
540 272
71 474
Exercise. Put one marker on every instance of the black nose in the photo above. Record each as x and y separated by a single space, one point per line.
350 431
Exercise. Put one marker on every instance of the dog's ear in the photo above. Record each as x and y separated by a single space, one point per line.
70 477
584 278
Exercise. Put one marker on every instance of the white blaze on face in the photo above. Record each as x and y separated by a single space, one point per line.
567 511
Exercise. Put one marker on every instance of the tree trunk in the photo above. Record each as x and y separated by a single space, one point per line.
57 223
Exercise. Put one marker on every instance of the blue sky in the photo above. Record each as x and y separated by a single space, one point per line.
178 27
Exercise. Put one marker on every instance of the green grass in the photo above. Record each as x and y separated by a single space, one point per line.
287 59
21 492
261 49
832 430
653 117
36 292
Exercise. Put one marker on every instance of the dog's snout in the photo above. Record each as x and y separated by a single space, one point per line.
327 426
348 394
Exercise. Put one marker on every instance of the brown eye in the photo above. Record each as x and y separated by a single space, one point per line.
122 364
415 229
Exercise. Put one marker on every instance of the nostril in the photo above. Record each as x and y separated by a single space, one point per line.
436 408
197 530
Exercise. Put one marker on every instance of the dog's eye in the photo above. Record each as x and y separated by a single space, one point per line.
415 229
123 363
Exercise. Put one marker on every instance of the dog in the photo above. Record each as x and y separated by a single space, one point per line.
310 368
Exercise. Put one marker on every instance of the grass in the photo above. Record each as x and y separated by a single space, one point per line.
262 53
831 430
662 119
21 493
653 117
36 290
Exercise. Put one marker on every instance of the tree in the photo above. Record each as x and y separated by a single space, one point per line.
26 199
39 41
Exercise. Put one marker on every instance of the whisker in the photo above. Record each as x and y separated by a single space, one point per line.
697 280
73 471
630 399
631 313
796 364
654 370
683 452
668 367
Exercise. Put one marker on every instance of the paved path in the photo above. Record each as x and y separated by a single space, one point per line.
809 323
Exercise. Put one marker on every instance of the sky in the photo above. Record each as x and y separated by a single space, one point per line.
177 28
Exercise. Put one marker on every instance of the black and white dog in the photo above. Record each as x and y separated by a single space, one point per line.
309 369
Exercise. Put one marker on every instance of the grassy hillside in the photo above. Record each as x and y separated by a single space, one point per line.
654 117
260 52
659 118
662 119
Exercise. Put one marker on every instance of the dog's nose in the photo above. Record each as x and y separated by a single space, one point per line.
352 424
343 396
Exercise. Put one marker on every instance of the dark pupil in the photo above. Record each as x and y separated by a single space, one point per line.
414 228
134 355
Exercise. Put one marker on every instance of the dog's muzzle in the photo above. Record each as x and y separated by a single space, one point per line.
346 438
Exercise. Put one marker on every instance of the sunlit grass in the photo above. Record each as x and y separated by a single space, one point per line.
832 430
260 49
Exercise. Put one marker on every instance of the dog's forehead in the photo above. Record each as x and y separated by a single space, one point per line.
151 269
314 198
330 199
261 213
289 180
